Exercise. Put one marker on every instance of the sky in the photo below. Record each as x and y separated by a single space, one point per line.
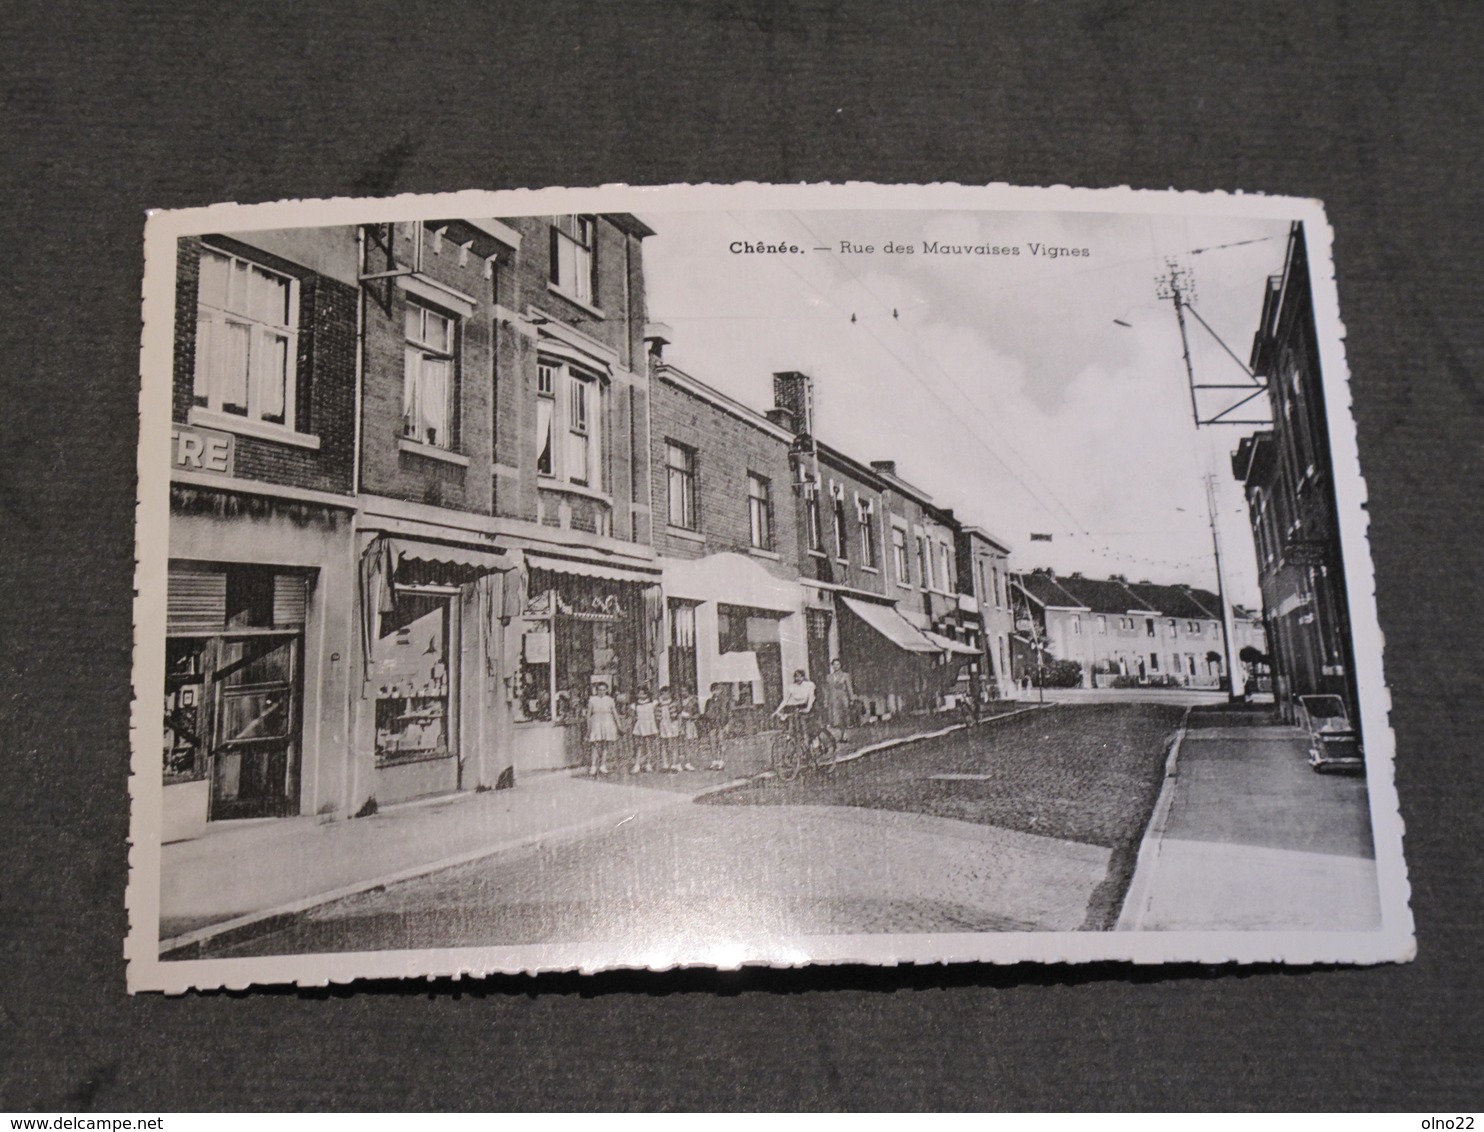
1005 386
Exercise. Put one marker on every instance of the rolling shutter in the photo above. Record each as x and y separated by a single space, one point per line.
196 600
290 595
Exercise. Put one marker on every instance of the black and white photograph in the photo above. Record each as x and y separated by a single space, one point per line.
711 576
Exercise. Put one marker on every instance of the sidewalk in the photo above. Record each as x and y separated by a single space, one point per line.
241 874
1245 836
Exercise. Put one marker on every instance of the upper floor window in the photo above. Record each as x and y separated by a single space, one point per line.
1102 625
865 518
924 564
946 556
1193 628
1173 628
899 555
811 518
428 388
680 466
573 453
246 340
1077 624
1149 626
759 512
842 536
574 261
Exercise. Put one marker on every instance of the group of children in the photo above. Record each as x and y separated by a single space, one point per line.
654 726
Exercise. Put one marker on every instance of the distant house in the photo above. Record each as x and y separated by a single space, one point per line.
1121 632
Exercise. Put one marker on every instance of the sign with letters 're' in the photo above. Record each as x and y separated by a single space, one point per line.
202 450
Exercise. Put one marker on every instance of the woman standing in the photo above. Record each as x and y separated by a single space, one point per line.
839 697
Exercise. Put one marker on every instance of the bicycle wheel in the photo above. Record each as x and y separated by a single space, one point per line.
824 751
788 757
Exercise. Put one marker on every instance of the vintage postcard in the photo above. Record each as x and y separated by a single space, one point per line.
723 575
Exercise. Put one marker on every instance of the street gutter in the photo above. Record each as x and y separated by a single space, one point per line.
1136 900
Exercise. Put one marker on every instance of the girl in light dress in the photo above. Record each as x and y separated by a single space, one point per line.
602 728
646 728
669 722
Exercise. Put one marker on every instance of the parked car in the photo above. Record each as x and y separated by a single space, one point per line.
1334 744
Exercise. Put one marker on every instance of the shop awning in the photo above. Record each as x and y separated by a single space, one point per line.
591 570
891 625
736 668
479 561
948 644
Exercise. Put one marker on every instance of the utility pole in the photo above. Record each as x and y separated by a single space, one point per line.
1228 621
1179 288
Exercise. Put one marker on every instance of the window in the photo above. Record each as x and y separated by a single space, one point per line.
997 595
545 410
574 266
865 519
580 434
1149 626
811 517
946 556
1076 625
759 512
1153 662
246 340
680 464
1102 626
842 537
1193 628
1126 624
427 394
899 556
924 564
1173 628
566 392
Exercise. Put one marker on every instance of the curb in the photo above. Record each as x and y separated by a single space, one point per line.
1136 900
252 924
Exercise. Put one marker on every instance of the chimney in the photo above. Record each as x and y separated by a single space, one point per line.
794 391
885 467
783 418
657 335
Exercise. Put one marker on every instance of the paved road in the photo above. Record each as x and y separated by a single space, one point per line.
706 880
1175 697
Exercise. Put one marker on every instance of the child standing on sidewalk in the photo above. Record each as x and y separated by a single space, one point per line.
669 731
602 728
690 734
646 727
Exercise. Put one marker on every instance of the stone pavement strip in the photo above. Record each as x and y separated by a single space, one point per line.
241 873
1246 837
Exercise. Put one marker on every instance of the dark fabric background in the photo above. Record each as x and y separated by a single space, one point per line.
109 110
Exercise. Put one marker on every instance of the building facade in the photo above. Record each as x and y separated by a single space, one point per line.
727 532
984 578
1121 633
1289 485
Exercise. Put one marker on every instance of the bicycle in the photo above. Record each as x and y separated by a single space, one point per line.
799 748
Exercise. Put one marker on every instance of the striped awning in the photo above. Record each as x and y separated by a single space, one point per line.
584 569
890 624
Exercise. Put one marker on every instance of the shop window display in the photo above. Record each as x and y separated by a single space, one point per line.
410 661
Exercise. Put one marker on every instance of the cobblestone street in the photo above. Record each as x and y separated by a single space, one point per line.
1019 824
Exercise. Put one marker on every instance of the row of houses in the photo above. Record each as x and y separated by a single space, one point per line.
1123 632
432 482
1288 479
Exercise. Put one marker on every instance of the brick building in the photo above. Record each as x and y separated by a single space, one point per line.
984 580
727 532
262 475
1290 497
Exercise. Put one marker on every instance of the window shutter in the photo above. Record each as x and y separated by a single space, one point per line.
290 597
195 600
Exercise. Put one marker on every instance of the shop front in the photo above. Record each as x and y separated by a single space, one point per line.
894 666
253 689
580 624
731 622
433 620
